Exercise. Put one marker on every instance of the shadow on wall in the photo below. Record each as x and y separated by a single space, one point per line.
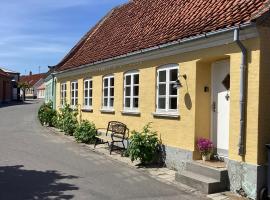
17 183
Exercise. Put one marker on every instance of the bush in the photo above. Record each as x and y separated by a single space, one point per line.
85 132
46 114
144 145
67 119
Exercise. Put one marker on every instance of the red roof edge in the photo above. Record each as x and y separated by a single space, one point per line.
84 39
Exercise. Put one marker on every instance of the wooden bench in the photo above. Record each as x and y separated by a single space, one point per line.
116 132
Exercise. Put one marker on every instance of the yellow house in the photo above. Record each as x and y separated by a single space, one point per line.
193 68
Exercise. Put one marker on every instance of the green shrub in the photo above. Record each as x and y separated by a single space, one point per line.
144 145
67 119
46 113
85 132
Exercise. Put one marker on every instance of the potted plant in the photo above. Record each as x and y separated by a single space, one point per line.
205 146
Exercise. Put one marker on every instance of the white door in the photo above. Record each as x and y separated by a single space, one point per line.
221 106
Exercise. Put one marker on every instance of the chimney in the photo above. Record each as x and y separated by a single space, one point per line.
30 73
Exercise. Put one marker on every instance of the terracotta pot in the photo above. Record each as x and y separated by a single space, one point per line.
206 157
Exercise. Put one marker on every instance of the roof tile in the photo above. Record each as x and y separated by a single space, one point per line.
141 24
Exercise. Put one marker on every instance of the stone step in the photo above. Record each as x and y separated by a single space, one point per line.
220 174
200 182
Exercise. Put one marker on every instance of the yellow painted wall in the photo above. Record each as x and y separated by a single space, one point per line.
195 117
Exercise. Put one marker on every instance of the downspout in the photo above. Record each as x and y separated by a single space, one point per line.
243 93
53 91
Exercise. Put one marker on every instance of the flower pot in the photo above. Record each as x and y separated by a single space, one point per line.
206 157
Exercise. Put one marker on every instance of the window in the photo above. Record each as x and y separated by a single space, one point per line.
88 92
167 94
74 93
63 95
131 91
108 92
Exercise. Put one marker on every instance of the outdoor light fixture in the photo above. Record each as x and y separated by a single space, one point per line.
177 83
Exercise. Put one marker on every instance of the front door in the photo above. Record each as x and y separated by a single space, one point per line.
221 106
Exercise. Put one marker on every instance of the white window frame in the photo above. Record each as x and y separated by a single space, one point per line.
63 93
109 107
73 92
89 90
167 96
131 108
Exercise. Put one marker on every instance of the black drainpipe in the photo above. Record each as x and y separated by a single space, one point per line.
243 93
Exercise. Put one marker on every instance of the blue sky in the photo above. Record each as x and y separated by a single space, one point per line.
37 33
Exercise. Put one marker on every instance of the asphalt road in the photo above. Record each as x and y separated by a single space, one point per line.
35 164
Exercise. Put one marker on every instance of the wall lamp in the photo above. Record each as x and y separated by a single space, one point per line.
177 83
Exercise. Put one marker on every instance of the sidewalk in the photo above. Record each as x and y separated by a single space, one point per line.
162 174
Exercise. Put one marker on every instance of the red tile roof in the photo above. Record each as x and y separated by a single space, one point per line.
142 24
3 74
32 79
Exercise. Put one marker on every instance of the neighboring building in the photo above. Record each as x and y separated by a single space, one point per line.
129 67
5 87
50 86
41 91
34 81
13 89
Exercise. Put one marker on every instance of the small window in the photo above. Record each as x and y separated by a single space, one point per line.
167 94
88 93
108 93
63 93
131 91
74 93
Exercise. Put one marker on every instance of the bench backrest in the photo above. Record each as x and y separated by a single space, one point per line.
117 128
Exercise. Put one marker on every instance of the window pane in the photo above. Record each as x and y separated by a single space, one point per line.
85 102
173 103
135 102
162 76
90 93
90 84
128 80
162 89
128 91
86 93
136 90
76 102
136 79
76 85
86 84
72 86
76 93
173 91
90 102
106 92
173 74
105 82
111 102
105 103
127 102
112 92
161 103
112 81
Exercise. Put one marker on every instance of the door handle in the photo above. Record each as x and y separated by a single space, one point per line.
214 106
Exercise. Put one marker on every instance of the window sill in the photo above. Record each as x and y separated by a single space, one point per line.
107 111
129 112
87 110
166 115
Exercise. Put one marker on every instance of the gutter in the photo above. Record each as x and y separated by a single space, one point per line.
163 46
243 93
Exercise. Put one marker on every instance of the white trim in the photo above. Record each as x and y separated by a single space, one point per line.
109 96
131 108
167 83
73 92
203 41
63 93
89 97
